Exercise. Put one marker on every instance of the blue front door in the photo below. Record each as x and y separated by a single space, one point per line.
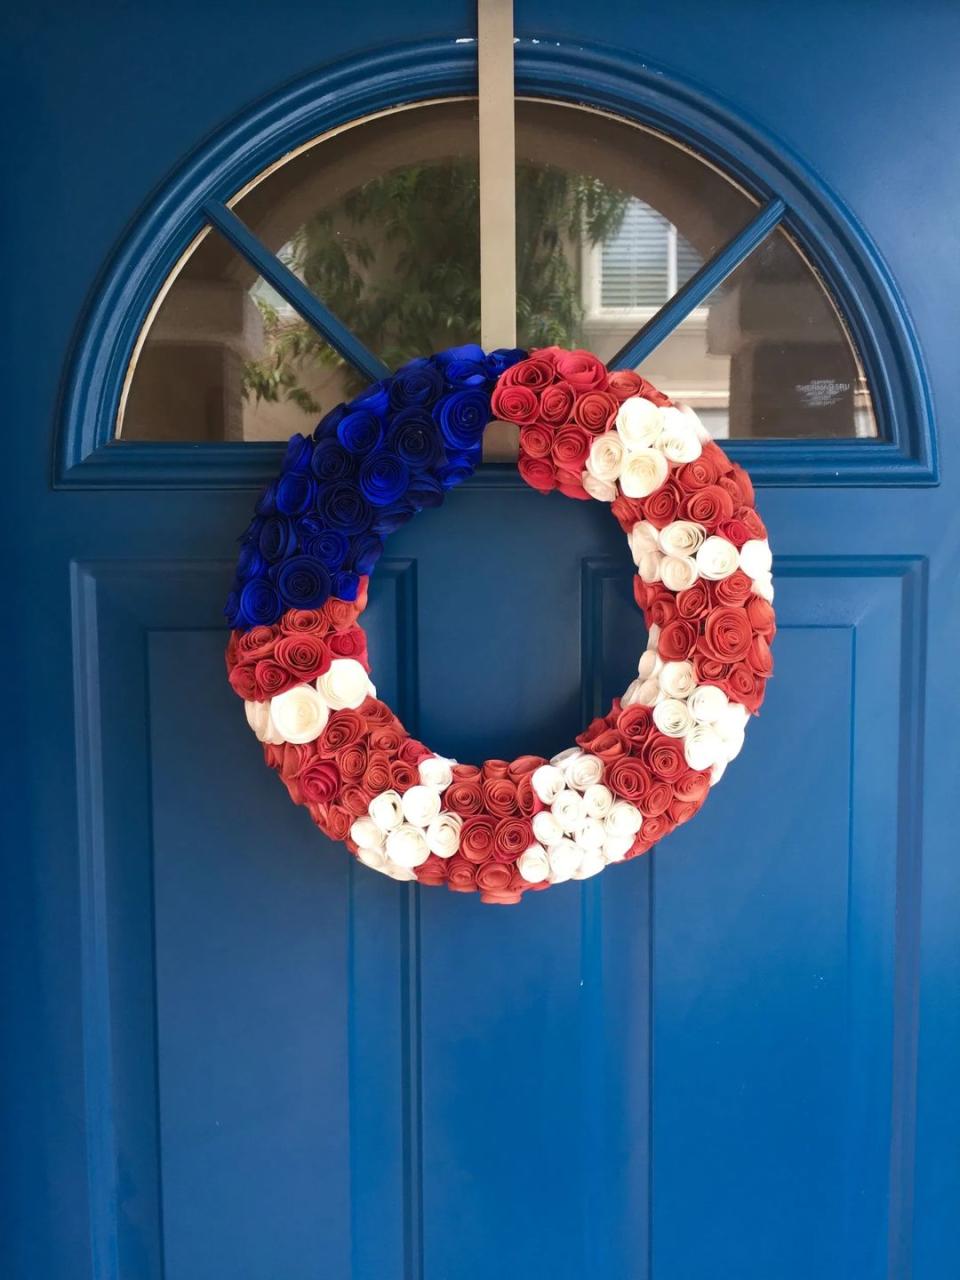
230 1052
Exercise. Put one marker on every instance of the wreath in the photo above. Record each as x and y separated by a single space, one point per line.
298 656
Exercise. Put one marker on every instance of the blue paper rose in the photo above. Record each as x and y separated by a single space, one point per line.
303 583
260 603
360 431
415 438
418 382
346 585
366 551
383 478
329 546
376 398
296 491
327 426
462 416
250 563
342 506
299 451
331 461
277 539
503 358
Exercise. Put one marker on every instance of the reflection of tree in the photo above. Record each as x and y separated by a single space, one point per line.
398 261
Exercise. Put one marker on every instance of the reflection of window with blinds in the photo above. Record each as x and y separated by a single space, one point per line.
645 261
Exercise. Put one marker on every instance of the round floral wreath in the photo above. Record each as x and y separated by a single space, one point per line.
298 657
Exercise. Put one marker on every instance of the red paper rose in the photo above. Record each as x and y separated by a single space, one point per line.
708 506
582 370
515 404
511 837
570 448
664 758
319 782
304 656
461 874
535 441
595 411
677 640
464 797
726 634
538 474
476 837
500 797
628 778
556 404
533 372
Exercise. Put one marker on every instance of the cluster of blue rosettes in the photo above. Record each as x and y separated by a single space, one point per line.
370 465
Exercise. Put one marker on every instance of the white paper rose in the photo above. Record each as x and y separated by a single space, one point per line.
547 782
546 828
534 865
733 721
443 834
605 457
616 848
386 810
648 566
602 490
643 537
703 747
677 573
299 715
568 810
345 685
638 422
681 538
717 558
420 805
373 857
366 834
564 858
597 801
672 717
258 718
678 437
590 834
407 846
650 664
436 771
591 862
756 558
641 693
643 472
396 872
623 819
763 586
708 704
678 679
583 771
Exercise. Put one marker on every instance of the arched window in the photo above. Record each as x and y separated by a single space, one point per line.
379 221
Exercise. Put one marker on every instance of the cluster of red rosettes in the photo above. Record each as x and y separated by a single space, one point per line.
561 400
266 661
722 627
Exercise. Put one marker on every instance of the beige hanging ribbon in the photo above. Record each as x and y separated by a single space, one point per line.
498 222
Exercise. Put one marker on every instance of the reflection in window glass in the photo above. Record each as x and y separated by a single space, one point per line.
611 221
767 355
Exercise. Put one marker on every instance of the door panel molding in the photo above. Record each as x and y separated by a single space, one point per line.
121 611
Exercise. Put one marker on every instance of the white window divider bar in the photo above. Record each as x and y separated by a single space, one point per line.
498 217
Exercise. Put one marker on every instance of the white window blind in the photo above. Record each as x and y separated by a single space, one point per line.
645 261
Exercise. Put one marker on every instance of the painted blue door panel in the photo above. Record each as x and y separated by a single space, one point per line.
226 1052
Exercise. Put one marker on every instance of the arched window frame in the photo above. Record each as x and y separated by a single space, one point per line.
788 194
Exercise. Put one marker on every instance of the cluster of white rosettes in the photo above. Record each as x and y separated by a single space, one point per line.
583 827
300 714
401 831
711 726
636 455
680 553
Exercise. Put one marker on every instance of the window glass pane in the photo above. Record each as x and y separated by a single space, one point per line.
767 355
381 221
